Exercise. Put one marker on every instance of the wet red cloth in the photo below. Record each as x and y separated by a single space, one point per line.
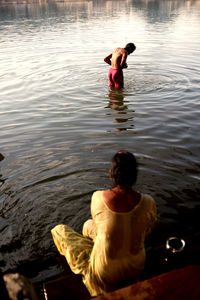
116 78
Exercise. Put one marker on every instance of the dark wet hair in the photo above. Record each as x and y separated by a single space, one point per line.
124 169
130 47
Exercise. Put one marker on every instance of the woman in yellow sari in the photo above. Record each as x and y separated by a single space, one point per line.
110 252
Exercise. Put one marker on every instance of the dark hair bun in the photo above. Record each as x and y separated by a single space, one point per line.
124 168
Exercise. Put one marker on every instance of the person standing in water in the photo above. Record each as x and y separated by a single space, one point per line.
117 61
110 253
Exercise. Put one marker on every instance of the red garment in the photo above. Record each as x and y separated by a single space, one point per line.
116 78
174 285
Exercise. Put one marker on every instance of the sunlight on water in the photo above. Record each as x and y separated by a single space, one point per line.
61 123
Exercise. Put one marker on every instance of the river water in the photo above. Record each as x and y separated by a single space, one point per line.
61 123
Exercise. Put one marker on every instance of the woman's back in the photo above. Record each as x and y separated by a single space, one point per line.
119 244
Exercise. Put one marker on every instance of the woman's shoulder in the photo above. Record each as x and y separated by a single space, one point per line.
100 196
148 201
97 203
99 193
147 197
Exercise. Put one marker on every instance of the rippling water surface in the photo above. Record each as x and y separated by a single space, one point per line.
60 122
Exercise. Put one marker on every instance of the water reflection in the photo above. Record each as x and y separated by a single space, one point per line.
153 10
117 100
122 115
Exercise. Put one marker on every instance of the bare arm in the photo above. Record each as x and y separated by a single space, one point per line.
107 59
123 60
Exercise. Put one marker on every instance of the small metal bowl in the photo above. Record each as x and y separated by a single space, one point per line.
175 244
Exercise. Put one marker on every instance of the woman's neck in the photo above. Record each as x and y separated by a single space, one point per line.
122 188
122 199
